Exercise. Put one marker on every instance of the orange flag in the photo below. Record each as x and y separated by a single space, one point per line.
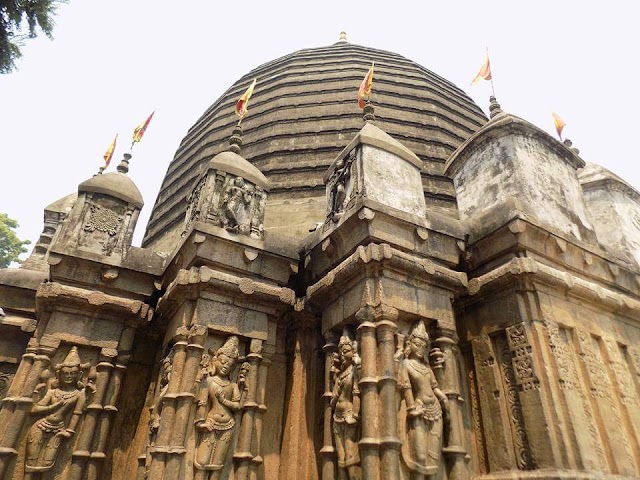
241 105
365 87
559 123
485 71
140 129
109 153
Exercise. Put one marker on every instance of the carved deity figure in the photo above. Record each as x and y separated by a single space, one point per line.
63 404
219 400
424 402
345 403
236 198
156 410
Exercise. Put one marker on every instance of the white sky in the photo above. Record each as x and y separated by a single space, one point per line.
114 61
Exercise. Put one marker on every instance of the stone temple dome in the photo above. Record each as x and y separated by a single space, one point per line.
302 114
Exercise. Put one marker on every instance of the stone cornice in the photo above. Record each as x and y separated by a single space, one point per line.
205 277
91 302
415 267
548 275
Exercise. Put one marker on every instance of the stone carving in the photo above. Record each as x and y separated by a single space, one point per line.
425 403
220 398
345 404
63 404
193 210
5 381
103 220
340 187
522 360
516 417
163 385
236 200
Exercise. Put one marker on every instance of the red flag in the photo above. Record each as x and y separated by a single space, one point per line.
365 87
241 105
109 153
559 123
484 73
140 129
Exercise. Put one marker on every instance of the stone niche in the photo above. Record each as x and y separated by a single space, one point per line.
231 194
377 167
511 168
614 207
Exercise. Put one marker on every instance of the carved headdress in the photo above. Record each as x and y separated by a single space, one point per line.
419 331
346 339
230 348
72 360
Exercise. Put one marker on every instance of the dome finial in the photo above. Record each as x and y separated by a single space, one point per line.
235 142
124 164
369 115
343 37
569 144
494 107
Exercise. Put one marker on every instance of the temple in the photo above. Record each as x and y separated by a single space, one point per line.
419 292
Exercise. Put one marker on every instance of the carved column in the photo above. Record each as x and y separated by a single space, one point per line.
162 448
370 441
82 452
185 399
243 455
18 408
328 452
98 455
387 386
454 450
257 461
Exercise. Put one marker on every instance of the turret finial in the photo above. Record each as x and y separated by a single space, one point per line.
235 142
494 107
343 37
124 164
369 115
569 144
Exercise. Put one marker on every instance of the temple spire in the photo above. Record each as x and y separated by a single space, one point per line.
343 37
369 115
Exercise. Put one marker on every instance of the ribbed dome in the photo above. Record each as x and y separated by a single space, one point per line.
302 113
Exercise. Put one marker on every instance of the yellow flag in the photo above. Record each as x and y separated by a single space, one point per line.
559 123
241 105
485 71
109 153
365 87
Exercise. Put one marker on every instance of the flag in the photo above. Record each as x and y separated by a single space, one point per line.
365 87
559 123
484 73
109 153
140 129
241 105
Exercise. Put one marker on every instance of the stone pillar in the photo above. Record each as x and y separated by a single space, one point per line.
328 452
243 455
185 399
81 455
257 472
17 408
387 386
370 441
98 455
454 450
162 449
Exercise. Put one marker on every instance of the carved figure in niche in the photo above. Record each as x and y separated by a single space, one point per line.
236 198
424 402
63 404
156 410
345 403
338 191
219 400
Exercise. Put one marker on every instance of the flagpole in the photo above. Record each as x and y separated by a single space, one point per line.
493 90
